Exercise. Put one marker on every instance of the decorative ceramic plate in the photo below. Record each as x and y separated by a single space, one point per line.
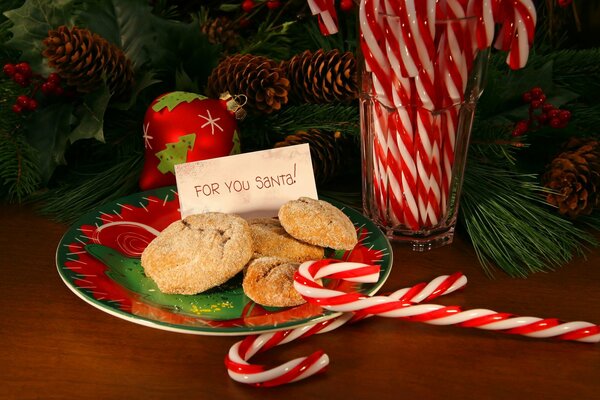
99 260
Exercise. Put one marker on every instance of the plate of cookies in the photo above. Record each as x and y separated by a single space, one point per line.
212 273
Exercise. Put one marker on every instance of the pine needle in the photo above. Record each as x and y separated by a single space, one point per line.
510 225
328 117
19 169
85 192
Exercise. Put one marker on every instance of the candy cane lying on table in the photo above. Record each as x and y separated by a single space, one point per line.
240 370
401 304
384 306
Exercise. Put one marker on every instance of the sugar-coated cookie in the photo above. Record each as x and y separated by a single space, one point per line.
269 281
197 253
270 239
318 222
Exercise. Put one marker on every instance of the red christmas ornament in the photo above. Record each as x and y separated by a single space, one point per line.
181 127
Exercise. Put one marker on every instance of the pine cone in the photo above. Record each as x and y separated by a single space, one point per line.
326 150
322 77
220 30
575 177
83 59
258 78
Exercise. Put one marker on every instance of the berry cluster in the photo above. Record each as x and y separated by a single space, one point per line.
248 5
22 75
541 113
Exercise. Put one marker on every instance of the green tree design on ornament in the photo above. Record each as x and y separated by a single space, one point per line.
175 153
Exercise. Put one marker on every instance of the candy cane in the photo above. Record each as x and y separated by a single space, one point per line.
373 49
484 29
237 358
325 9
518 19
333 300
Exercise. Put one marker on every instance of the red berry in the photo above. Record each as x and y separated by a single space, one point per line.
9 69
247 5
53 78
543 118
48 88
24 68
553 113
273 4
527 97
32 105
58 90
17 108
23 100
521 128
245 22
542 98
565 115
536 92
547 107
346 5
556 123
536 103
20 79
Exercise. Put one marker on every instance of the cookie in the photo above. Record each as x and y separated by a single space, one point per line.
318 222
269 281
270 239
198 253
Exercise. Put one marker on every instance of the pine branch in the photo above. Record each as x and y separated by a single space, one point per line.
328 117
83 192
579 70
511 227
19 169
19 163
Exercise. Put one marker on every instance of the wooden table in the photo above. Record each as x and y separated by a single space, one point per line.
54 345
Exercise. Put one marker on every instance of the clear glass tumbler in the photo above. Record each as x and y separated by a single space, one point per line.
416 120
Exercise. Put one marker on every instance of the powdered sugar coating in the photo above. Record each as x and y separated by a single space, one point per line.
269 281
319 223
270 239
198 253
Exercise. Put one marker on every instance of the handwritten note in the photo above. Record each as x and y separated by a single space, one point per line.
250 184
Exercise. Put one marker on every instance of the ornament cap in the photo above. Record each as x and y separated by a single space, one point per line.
233 104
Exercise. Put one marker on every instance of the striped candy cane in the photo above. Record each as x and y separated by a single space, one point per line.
325 9
241 371
305 283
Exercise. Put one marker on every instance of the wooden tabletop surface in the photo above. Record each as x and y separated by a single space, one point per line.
54 345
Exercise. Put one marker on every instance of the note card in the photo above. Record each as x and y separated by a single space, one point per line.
252 184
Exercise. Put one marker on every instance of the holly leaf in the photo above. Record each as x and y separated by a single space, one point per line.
91 115
30 25
184 82
172 100
48 130
142 81
129 24
501 102
183 46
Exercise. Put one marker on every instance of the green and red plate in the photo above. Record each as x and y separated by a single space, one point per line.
98 258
